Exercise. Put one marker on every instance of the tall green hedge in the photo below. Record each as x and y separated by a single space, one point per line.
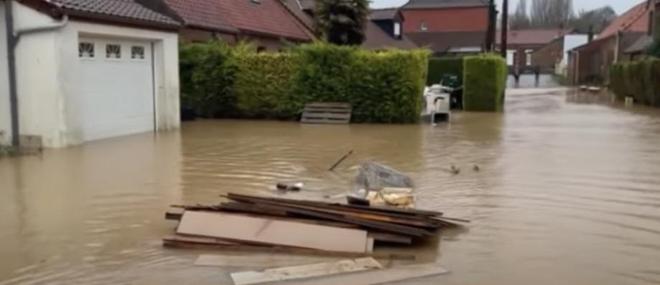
484 82
638 79
383 87
207 77
440 66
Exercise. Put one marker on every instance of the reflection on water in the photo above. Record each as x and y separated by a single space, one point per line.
567 193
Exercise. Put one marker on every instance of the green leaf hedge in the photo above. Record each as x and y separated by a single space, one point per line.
484 82
383 87
637 79
440 66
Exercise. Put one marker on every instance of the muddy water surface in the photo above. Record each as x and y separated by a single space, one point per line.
568 192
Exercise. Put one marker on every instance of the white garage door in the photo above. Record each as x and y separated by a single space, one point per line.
116 87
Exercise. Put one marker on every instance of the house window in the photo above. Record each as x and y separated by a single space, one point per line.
113 51
85 50
423 27
137 52
397 29
528 57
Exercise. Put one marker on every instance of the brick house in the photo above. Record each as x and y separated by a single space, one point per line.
523 43
447 26
591 62
553 57
267 23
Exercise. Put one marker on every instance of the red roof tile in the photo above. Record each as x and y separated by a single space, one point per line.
532 36
202 14
634 20
252 16
151 12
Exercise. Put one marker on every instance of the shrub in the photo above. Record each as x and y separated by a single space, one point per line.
484 82
638 79
207 76
382 87
440 66
263 85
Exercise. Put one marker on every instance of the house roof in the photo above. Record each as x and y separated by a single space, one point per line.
376 38
147 12
532 36
441 42
298 10
267 17
201 14
640 45
634 20
383 14
439 4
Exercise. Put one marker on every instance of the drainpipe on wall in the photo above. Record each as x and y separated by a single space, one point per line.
13 38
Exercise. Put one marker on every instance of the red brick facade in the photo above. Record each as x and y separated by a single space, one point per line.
458 19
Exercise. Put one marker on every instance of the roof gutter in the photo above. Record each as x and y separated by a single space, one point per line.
13 37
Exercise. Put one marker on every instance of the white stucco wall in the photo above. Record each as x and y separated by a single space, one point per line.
5 115
48 70
570 42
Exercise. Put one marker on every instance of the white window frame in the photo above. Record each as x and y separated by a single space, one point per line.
423 27
94 50
144 52
397 29
121 49
528 57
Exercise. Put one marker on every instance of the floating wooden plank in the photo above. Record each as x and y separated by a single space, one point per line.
313 212
374 277
390 238
259 260
304 271
187 242
273 232
326 113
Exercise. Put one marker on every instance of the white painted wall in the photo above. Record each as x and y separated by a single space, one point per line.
49 70
5 114
570 42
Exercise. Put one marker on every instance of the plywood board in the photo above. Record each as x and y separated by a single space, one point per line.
304 271
275 232
259 260
374 277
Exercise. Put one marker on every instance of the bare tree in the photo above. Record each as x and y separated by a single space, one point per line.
520 19
596 19
551 13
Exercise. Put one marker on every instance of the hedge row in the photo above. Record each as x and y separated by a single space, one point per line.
638 79
383 87
484 82
441 66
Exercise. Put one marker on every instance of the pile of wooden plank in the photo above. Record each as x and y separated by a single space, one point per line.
264 223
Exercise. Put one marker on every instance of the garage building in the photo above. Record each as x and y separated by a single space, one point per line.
87 69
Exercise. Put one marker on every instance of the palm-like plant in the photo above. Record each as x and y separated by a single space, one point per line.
342 22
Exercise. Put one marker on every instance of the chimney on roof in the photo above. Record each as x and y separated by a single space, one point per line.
590 36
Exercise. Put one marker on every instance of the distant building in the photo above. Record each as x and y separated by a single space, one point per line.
447 26
553 57
624 36
522 44
267 23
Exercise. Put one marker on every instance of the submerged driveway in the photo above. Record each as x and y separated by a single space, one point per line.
567 193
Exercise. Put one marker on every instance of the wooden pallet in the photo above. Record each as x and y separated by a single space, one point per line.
327 113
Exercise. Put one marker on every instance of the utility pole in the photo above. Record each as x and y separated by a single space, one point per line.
492 26
505 28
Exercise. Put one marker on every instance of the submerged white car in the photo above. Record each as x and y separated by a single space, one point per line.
437 103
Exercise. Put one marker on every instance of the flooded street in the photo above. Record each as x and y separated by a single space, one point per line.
568 192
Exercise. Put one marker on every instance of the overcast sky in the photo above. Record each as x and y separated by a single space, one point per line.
619 5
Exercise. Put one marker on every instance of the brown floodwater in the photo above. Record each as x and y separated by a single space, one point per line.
568 192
